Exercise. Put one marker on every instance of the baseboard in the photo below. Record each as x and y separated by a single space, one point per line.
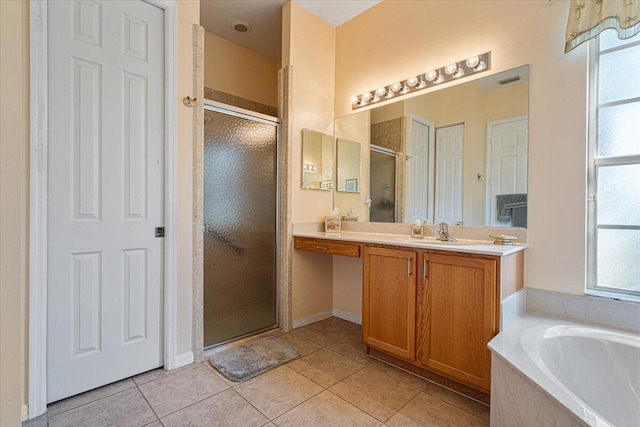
312 319
350 317
24 412
184 359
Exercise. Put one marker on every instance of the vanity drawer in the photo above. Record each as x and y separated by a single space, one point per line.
327 246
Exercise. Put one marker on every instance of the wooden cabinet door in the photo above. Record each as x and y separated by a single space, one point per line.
456 298
389 301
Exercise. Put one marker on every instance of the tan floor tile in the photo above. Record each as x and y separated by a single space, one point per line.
155 423
353 349
225 409
427 411
88 397
157 374
220 374
184 388
325 367
127 408
325 410
303 345
457 400
375 393
277 391
400 375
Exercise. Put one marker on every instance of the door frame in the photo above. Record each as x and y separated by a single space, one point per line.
37 386
487 195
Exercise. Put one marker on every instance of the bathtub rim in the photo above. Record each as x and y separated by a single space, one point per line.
507 346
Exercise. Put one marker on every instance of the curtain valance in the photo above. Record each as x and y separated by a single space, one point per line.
588 18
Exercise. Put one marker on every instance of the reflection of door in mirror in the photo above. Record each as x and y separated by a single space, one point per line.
419 187
449 152
507 172
383 185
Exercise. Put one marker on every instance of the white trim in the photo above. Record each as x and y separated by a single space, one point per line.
348 316
24 412
312 318
38 199
487 172
184 359
170 181
38 210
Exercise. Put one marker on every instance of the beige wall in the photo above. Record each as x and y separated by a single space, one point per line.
517 33
14 206
14 181
309 47
233 69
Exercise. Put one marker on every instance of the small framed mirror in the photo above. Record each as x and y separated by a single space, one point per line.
348 170
317 161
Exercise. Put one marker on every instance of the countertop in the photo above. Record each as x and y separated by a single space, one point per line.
482 247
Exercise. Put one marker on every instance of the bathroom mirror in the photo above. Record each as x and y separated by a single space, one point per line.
348 170
317 160
456 155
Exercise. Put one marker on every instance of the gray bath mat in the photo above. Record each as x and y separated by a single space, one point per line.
247 361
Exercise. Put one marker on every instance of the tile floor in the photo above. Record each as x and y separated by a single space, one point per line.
333 383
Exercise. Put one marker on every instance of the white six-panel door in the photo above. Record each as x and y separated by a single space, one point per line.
449 155
507 162
105 194
420 172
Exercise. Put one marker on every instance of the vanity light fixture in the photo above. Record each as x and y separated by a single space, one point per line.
308 168
466 67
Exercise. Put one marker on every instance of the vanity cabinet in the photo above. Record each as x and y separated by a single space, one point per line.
438 313
456 316
389 300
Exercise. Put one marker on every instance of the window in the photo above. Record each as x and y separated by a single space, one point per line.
614 166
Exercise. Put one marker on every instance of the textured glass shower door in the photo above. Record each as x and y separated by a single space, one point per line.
240 228
382 180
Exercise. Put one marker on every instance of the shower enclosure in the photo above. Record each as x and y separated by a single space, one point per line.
382 180
240 212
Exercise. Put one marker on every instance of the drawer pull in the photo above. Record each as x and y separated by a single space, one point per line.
425 274
324 248
409 266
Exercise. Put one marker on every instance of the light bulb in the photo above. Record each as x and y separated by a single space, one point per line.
422 84
458 73
473 61
450 69
354 100
440 79
431 75
396 87
366 96
412 81
381 91
481 66
375 98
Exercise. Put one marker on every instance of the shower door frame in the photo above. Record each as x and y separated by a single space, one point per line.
242 113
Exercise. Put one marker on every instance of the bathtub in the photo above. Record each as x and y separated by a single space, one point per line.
548 371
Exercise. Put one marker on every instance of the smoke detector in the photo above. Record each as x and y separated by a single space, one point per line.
241 26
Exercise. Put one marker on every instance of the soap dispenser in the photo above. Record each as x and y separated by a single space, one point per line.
417 230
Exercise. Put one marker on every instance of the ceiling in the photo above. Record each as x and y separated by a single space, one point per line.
265 18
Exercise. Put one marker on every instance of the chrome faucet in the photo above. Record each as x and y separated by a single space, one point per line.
444 233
